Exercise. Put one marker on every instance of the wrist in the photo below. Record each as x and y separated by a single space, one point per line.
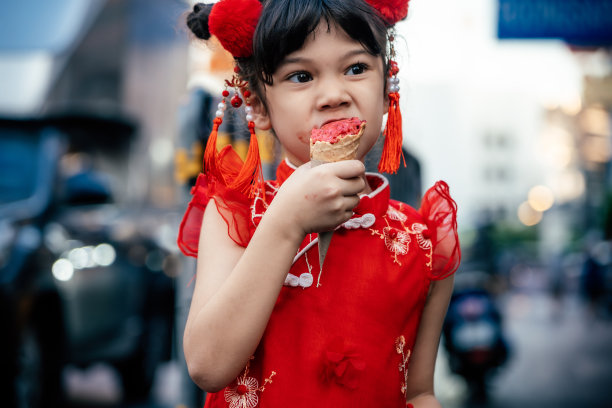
283 227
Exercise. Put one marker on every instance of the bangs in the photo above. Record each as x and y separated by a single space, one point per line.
285 25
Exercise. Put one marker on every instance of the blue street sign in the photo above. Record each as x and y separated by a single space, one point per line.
580 22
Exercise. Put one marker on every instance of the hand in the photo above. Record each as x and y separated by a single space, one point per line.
315 199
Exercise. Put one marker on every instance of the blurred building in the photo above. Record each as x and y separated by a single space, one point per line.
104 57
516 121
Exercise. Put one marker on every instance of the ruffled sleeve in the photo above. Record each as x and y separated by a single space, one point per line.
234 206
440 213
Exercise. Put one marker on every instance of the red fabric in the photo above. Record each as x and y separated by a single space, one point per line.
441 213
335 345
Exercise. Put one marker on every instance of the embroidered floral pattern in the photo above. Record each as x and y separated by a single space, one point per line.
400 344
396 215
420 231
423 239
398 240
260 204
243 392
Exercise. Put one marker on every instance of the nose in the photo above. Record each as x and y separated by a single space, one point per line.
332 94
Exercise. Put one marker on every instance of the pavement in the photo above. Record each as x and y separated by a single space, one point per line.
561 357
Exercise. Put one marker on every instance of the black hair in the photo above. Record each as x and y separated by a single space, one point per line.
197 20
284 26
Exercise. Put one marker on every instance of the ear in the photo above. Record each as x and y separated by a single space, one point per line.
386 102
260 114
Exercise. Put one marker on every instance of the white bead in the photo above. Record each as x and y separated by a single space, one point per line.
394 88
221 106
219 113
248 109
249 118
394 80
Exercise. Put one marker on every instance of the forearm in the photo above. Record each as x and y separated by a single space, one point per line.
224 332
424 401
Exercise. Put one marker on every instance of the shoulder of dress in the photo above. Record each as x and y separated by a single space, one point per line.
399 211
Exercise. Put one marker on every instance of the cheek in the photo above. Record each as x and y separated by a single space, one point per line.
304 137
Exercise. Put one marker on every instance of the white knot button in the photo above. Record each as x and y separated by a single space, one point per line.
305 280
365 221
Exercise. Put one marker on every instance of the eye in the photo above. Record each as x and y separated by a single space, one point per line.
299 77
357 69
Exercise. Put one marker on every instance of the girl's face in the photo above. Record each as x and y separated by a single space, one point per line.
331 77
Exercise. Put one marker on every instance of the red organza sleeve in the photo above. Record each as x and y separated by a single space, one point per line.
440 213
234 206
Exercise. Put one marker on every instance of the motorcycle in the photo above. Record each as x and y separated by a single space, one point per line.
474 339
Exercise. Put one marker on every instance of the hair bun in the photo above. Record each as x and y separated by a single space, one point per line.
197 20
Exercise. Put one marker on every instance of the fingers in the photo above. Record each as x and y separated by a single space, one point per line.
352 187
351 202
347 169
349 175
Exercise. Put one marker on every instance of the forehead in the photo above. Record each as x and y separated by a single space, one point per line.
327 35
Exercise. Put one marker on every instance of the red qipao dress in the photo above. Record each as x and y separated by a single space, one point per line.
340 335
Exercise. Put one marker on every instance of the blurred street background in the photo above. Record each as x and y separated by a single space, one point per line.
105 106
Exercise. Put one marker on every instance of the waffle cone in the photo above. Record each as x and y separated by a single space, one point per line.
344 149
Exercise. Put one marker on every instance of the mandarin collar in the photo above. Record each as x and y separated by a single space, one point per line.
375 202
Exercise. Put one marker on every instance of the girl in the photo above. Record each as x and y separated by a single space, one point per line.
268 325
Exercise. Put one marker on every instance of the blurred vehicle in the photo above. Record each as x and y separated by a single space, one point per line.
82 279
473 335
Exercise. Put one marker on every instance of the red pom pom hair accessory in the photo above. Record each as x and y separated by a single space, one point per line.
392 152
233 22
391 11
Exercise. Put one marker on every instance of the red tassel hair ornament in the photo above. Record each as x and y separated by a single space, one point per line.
392 153
249 179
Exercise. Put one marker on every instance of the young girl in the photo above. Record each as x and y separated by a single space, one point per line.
268 325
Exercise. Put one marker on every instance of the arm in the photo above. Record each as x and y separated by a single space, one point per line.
420 390
236 288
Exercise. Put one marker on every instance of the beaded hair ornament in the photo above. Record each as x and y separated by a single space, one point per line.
233 22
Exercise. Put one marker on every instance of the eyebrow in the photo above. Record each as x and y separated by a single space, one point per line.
297 60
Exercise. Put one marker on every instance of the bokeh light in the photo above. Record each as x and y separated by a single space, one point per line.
527 215
62 270
540 198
